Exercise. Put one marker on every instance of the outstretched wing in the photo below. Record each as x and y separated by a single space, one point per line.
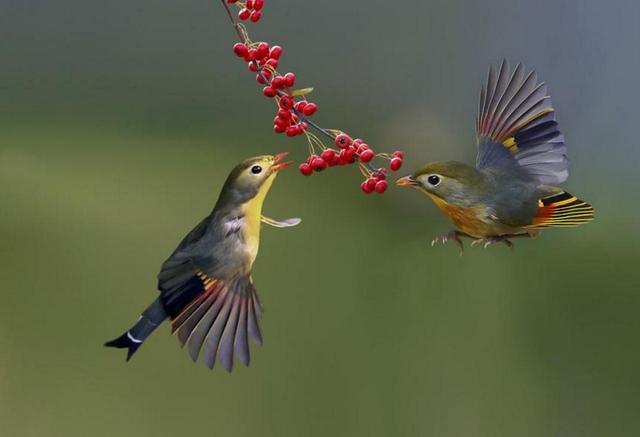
516 127
212 315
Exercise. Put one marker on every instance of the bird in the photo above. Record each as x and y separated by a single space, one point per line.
206 288
512 191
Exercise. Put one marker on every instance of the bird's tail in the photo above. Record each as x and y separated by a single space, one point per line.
150 319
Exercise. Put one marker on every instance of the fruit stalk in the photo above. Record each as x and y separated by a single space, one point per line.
293 117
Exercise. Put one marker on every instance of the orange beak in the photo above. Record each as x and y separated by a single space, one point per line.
407 181
278 165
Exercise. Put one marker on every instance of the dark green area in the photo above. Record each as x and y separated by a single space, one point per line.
118 125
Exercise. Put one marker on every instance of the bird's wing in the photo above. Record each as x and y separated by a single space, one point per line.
561 210
212 315
286 223
516 127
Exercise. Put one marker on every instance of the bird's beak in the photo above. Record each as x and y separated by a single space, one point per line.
407 181
278 165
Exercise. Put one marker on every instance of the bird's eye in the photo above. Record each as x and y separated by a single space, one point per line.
433 180
256 169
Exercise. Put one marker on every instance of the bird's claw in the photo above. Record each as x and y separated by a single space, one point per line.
453 236
489 241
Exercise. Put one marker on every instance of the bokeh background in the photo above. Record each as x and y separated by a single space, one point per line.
118 123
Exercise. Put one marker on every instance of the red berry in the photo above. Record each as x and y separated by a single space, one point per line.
240 49
310 109
262 51
381 187
255 16
278 128
292 131
371 183
275 52
284 114
289 79
298 129
277 82
249 4
343 141
281 122
305 169
252 66
367 155
269 91
263 77
358 141
251 55
328 155
380 174
395 164
361 148
364 186
398 154
286 102
318 164
299 106
244 14
346 156
273 63
258 4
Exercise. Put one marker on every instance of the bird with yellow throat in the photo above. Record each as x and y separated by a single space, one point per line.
206 288
512 191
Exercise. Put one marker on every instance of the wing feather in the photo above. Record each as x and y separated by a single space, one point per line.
516 127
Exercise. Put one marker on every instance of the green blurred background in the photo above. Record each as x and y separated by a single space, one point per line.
118 123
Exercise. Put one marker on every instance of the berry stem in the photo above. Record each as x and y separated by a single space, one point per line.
242 34
294 115
329 135
237 26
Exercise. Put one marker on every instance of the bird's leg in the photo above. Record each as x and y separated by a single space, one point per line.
453 235
489 241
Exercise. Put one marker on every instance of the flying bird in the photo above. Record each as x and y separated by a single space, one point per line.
513 189
206 289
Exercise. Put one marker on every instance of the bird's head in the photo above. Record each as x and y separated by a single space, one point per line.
450 181
252 177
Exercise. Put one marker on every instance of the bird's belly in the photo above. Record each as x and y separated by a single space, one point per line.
474 220
251 244
251 250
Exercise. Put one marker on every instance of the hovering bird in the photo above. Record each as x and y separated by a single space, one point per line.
206 289
512 190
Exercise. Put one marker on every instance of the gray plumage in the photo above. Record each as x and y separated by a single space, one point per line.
514 108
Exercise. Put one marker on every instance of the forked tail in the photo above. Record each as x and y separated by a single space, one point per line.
150 319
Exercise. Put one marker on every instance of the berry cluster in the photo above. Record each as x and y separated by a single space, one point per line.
263 60
349 152
249 9
294 110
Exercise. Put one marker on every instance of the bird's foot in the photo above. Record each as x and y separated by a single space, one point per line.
451 236
489 241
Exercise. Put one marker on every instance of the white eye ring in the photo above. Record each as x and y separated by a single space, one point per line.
434 180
